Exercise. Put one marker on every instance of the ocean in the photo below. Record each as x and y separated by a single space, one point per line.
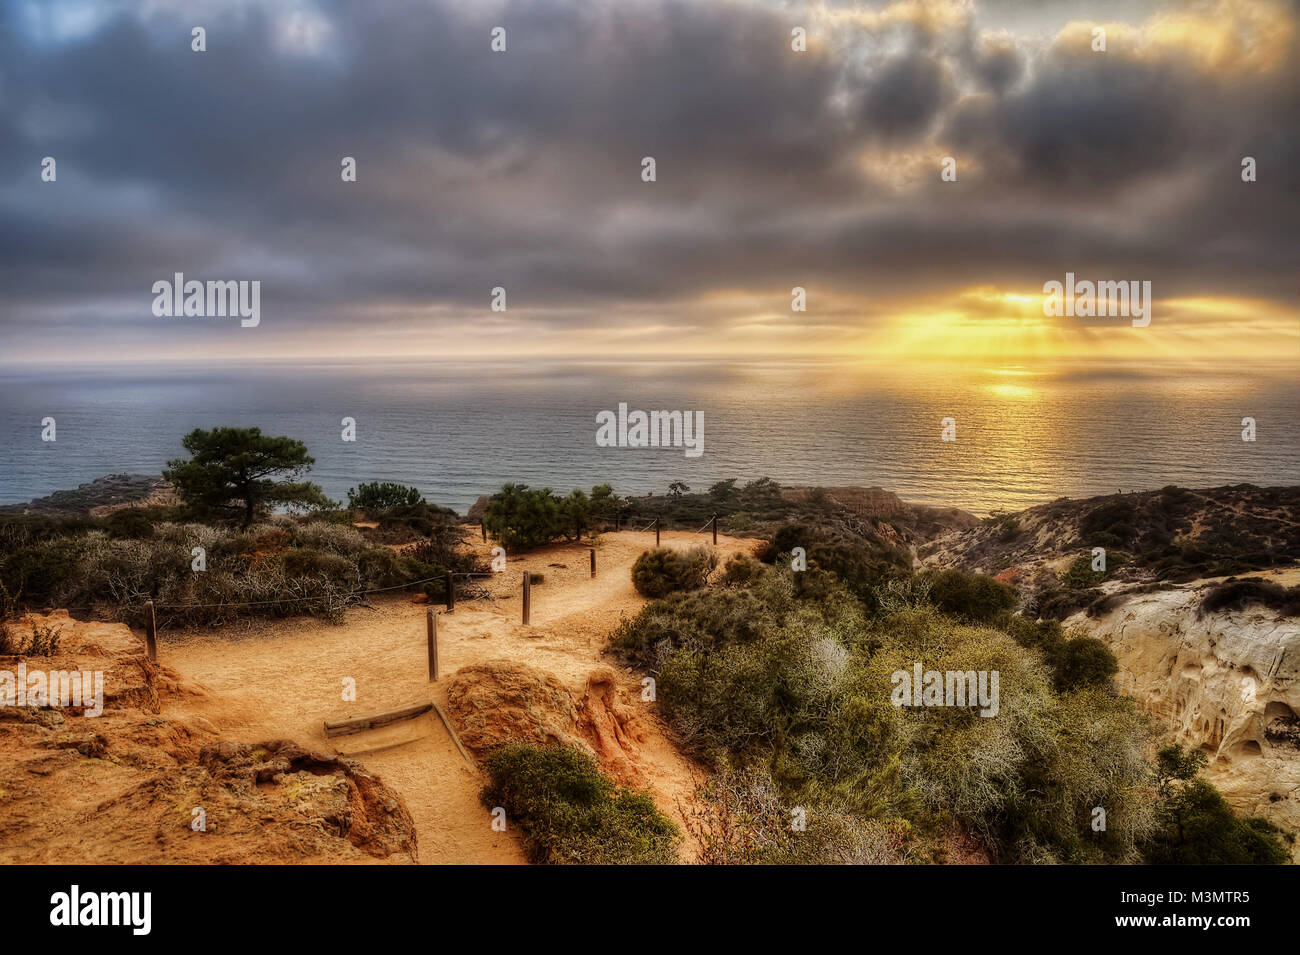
1025 433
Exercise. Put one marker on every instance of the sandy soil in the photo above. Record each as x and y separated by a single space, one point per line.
284 678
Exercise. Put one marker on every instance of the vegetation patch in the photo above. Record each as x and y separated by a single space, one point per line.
572 812
1238 594
785 691
658 573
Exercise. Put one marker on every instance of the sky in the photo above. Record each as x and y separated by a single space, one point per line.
522 170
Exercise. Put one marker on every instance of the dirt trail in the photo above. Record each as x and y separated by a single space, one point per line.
283 678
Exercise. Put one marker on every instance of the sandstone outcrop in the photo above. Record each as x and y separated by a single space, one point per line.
1228 683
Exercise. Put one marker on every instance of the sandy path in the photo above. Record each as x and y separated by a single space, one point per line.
283 678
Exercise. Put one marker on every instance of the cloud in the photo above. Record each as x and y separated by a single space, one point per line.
522 169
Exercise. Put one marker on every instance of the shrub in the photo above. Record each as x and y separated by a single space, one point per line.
572 812
658 573
1112 524
1080 575
1236 594
42 642
301 562
739 817
698 620
1078 663
1008 525
974 597
381 567
521 517
401 524
338 539
273 569
129 522
40 570
437 554
1058 604
740 521
382 495
1085 662
859 565
45 641
740 570
1199 828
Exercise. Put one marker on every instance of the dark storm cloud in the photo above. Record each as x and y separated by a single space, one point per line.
905 96
522 169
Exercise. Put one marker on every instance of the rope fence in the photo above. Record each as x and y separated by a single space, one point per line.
149 607
267 603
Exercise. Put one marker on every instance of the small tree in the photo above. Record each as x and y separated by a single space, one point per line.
605 504
522 517
723 492
576 514
239 470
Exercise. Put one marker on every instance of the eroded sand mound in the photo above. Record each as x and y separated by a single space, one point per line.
123 787
500 702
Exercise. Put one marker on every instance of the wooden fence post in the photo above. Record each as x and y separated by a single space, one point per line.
451 592
528 582
431 627
151 633
715 530
656 532
593 563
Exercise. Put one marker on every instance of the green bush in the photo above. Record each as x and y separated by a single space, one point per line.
1196 825
658 573
1085 662
1112 524
382 495
697 621
129 522
860 566
740 571
1078 663
382 567
740 817
1236 594
572 813
1080 575
974 597
39 572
